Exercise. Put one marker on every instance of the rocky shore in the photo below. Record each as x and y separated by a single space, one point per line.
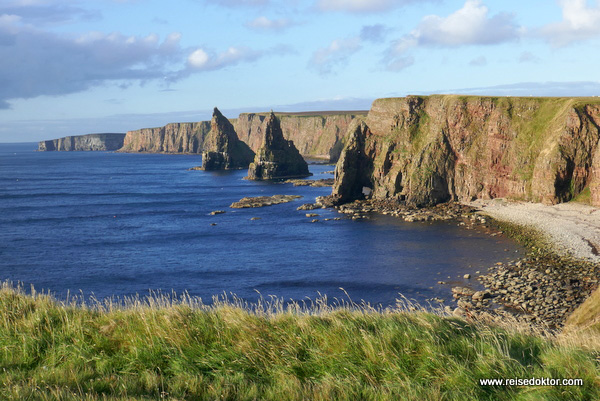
362 208
541 289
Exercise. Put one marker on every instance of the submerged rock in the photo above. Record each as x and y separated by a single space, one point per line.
261 201
223 150
277 157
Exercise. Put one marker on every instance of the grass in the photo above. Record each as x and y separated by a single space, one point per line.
584 197
181 349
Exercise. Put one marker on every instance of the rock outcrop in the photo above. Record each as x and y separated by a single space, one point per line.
315 134
432 149
172 138
222 148
277 157
90 142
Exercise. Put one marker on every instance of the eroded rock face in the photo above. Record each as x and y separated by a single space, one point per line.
172 138
222 148
90 142
318 134
428 150
277 157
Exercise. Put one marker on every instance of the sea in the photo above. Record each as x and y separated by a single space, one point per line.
105 225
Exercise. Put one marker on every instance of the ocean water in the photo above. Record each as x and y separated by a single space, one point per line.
115 225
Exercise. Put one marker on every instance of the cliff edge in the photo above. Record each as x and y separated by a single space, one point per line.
432 149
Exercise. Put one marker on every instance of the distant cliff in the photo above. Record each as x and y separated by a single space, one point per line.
315 134
172 138
431 149
90 142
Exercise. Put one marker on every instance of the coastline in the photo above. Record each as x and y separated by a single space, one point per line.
561 271
541 289
571 229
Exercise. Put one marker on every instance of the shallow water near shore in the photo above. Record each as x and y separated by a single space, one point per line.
112 224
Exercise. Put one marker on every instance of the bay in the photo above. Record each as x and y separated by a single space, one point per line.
115 225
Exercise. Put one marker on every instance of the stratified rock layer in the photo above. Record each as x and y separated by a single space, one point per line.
222 148
432 149
277 157
315 134
90 142
172 138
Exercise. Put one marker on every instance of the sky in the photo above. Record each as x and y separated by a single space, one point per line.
72 67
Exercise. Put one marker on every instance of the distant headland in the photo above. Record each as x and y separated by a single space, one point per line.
89 142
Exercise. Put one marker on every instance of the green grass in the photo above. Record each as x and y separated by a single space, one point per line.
160 348
584 197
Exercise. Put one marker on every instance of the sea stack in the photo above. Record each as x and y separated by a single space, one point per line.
223 150
277 157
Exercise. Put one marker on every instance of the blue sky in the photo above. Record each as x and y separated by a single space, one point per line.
82 66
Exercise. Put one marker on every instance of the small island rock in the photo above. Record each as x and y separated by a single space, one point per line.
223 150
277 157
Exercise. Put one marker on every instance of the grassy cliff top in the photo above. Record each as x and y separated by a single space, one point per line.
158 348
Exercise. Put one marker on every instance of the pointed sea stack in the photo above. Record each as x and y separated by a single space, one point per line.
223 150
277 157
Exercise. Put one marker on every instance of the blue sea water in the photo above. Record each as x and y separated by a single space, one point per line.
115 225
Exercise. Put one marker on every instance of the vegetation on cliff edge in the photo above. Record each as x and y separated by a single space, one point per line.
160 348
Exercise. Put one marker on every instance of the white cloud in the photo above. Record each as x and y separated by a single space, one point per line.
337 53
202 60
580 22
265 24
46 12
470 25
360 6
198 59
38 62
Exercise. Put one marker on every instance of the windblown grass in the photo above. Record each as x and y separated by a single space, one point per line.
167 348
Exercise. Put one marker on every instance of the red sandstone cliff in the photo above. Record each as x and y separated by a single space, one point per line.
172 138
318 134
438 148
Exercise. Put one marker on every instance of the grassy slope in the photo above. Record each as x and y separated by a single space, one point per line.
183 350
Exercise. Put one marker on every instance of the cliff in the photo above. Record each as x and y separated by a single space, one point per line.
172 138
277 157
315 134
432 149
97 142
223 150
